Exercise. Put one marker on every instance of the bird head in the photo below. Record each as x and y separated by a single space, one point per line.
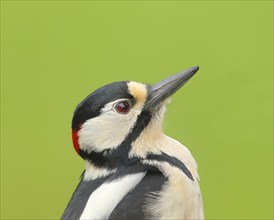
108 121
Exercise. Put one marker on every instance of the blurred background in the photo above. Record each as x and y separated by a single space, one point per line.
53 54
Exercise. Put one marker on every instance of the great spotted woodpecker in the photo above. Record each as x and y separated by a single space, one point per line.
133 170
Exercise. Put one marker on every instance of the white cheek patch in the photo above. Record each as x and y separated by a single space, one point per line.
107 130
104 199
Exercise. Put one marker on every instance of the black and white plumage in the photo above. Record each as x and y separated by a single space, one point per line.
133 170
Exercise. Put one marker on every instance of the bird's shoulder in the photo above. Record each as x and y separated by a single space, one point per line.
133 205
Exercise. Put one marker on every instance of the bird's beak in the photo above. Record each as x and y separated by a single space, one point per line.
160 91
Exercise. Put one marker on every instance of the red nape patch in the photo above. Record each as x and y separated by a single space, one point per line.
75 141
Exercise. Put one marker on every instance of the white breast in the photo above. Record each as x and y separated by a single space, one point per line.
105 198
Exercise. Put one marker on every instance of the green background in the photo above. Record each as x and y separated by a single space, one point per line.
55 53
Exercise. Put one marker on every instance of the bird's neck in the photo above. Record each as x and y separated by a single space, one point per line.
113 157
151 140
93 172
145 138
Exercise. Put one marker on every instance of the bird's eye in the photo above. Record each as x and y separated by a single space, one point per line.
123 107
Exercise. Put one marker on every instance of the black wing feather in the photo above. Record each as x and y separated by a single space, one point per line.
131 207
79 199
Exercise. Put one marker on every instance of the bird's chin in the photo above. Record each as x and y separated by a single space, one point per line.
160 109
161 105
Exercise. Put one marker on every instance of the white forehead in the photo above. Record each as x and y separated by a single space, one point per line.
138 91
